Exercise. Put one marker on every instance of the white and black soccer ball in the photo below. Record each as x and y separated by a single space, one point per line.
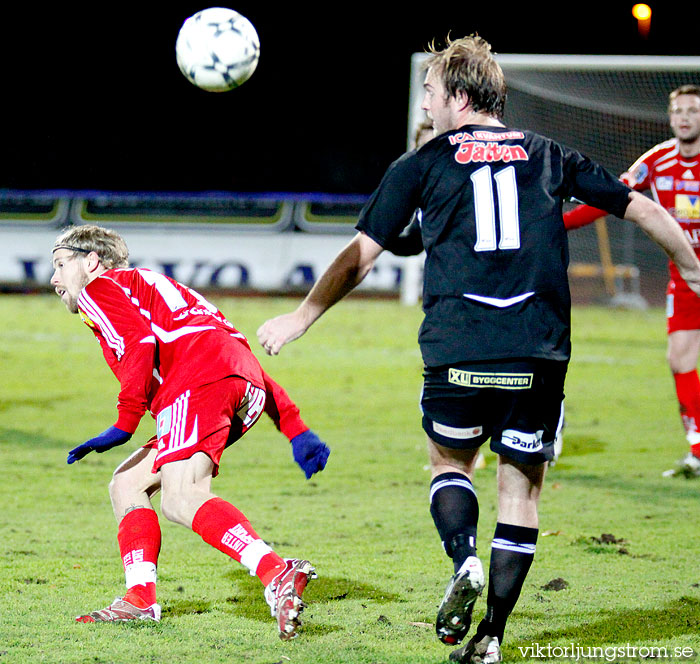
217 49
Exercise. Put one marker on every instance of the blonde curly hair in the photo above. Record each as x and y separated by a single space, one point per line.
107 244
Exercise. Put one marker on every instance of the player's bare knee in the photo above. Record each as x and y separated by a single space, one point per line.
679 363
124 497
119 487
446 459
169 507
682 350
175 508
672 357
678 366
129 483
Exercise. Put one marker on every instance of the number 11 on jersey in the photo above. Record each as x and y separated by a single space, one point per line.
485 209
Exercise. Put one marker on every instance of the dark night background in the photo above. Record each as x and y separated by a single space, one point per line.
93 99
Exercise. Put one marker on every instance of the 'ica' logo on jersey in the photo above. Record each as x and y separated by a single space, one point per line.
485 135
468 153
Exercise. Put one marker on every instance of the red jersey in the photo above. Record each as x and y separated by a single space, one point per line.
674 182
161 338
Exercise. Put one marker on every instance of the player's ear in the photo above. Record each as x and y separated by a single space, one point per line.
92 262
462 100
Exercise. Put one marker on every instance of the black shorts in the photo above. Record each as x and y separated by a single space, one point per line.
518 404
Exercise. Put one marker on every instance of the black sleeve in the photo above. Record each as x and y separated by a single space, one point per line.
410 241
595 185
391 207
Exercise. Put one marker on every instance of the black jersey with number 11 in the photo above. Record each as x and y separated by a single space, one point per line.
495 283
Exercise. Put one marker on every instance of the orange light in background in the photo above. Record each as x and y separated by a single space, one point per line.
642 13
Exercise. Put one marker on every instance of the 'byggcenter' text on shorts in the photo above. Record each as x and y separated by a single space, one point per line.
515 403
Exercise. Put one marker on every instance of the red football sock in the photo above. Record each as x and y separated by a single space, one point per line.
227 529
688 392
139 545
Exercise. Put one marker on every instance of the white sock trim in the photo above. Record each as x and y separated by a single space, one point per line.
139 574
463 483
253 554
507 545
693 437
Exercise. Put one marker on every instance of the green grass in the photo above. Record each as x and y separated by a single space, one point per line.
622 540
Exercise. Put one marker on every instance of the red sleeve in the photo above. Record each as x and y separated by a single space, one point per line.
282 410
127 343
582 215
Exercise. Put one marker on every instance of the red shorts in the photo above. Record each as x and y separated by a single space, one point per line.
206 419
682 308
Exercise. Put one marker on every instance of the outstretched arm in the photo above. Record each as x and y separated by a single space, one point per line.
582 215
347 270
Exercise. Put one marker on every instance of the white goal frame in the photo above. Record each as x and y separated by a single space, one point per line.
621 282
555 63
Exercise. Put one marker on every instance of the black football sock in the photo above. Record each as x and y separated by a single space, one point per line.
455 511
512 553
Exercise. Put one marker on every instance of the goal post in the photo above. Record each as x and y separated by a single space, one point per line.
613 109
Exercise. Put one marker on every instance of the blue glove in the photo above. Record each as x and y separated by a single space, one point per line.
310 452
105 441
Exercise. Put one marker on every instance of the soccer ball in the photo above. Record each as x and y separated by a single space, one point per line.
217 49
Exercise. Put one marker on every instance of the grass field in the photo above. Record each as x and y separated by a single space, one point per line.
616 565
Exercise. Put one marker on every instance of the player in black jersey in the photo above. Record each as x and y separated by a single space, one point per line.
495 339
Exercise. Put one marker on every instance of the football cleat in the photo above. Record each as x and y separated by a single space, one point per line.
120 611
454 615
486 650
688 467
283 595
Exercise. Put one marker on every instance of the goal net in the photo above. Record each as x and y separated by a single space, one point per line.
613 109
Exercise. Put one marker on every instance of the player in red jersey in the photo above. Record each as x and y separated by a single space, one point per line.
671 171
177 356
